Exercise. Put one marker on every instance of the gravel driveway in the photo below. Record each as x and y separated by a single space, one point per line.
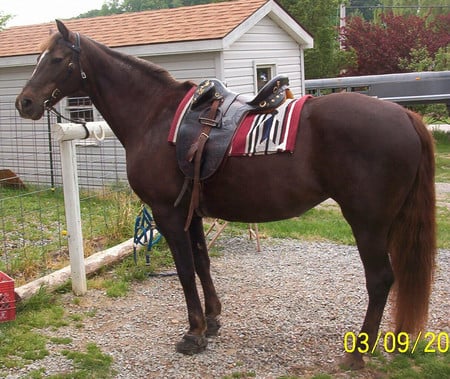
285 311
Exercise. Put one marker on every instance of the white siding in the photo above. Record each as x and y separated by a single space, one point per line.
195 67
23 144
266 43
12 79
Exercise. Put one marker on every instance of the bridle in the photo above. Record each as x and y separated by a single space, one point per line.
48 104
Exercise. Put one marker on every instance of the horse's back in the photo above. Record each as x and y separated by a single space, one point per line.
360 116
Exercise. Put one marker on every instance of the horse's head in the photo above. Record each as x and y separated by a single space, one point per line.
58 73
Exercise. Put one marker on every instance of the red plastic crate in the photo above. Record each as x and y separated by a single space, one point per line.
7 298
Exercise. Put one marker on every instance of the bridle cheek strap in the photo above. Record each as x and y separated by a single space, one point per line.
76 48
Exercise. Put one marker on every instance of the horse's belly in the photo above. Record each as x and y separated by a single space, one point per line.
267 190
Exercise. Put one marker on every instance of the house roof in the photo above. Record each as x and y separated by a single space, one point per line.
185 24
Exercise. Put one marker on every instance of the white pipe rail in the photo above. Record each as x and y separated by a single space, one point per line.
66 134
70 131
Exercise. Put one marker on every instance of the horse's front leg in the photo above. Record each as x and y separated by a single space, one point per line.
171 225
202 267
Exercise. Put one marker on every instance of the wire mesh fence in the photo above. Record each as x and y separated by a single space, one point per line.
33 238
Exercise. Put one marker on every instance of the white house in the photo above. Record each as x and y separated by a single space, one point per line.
242 42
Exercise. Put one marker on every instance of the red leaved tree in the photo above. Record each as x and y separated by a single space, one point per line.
380 47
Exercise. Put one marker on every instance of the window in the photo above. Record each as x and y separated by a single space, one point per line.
263 73
80 108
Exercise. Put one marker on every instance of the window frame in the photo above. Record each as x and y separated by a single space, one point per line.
258 66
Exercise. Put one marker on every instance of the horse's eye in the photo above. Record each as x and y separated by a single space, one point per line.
57 60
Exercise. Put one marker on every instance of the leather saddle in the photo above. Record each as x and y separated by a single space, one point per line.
208 126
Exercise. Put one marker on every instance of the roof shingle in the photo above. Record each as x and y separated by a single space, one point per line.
193 23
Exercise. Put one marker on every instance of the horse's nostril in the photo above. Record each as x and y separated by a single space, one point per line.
26 103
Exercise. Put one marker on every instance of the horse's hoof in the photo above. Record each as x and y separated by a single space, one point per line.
191 344
352 362
212 326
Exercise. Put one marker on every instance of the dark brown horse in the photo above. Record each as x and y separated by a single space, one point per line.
374 158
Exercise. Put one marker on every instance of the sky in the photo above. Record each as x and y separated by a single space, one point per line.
27 12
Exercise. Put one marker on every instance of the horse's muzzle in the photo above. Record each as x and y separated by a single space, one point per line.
28 108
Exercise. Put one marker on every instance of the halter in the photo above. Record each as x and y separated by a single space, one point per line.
76 48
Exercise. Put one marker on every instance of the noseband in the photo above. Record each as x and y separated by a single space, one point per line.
48 104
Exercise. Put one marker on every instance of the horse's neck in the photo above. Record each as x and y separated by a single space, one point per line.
128 93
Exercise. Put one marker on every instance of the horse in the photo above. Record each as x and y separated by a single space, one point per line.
373 157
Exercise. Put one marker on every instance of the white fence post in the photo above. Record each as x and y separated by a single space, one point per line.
73 216
67 134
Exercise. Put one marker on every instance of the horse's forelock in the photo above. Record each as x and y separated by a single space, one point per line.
49 42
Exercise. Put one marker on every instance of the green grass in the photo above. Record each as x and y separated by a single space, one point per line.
437 115
443 227
23 340
240 375
442 157
116 282
318 224
418 365
91 364
328 224
33 236
443 176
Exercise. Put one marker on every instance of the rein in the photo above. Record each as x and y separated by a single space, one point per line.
80 121
76 48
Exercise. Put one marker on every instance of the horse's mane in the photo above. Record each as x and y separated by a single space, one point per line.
146 67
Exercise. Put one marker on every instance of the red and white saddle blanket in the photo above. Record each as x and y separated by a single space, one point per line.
257 134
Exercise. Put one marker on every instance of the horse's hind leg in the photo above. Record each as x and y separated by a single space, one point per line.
202 267
372 248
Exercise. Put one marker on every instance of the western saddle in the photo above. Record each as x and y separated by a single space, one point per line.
213 116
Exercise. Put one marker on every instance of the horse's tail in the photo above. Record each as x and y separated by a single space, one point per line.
412 241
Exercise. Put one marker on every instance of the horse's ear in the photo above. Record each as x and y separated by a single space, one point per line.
63 29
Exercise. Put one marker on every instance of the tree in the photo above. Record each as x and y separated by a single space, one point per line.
364 8
321 19
107 9
4 19
396 42
415 7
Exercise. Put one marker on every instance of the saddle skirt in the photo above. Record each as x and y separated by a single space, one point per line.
240 129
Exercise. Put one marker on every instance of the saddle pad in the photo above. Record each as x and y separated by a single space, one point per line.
257 134
179 114
269 133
